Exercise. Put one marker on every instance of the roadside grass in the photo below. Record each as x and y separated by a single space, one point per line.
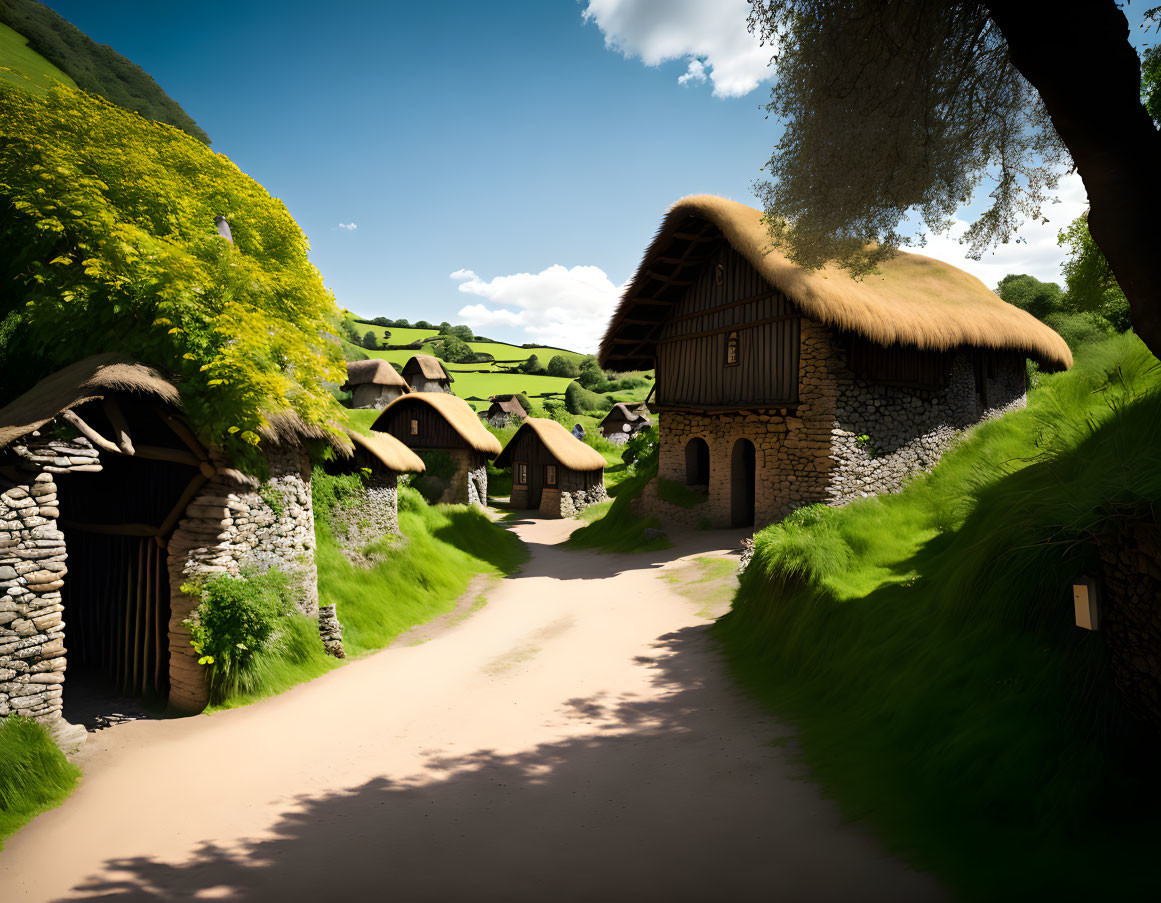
710 583
24 67
34 774
924 646
613 527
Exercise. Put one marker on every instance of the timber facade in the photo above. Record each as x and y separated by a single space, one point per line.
554 477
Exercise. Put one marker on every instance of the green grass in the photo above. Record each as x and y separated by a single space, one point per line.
709 583
24 67
34 774
677 493
613 527
923 645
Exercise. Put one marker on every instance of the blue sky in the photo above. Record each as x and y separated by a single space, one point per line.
526 147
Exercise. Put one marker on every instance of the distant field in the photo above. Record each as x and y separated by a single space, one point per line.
32 71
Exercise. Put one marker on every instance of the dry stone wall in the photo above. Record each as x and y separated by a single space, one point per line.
372 516
555 503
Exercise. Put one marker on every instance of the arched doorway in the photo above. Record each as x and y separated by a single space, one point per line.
697 462
743 471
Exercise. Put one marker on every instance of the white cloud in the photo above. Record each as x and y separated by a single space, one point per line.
711 34
350 227
1035 252
557 306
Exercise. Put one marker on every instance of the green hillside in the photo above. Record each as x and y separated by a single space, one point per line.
23 66
93 67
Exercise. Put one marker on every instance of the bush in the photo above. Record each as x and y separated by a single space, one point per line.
369 341
614 527
677 493
455 350
641 445
532 366
562 366
578 400
1078 329
35 775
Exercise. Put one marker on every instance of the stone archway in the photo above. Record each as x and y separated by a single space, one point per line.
697 462
743 478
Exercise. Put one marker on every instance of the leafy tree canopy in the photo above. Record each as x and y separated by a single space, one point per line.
532 365
369 340
562 366
1028 293
1091 284
455 350
110 245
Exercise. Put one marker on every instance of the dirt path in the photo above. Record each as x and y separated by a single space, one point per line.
575 738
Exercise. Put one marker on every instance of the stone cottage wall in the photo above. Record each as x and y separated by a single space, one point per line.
555 503
421 384
230 526
32 570
374 515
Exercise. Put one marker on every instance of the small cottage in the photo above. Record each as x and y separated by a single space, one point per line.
374 383
778 387
552 470
503 409
624 421
425 373
450 438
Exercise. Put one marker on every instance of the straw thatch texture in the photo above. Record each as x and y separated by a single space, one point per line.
561 444
388 451
510 405
458 414
430 367
912 301
624 412
375 371
80 382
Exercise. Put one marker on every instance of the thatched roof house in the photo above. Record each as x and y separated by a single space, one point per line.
778 386
432 422
624 421
100 469
502 409
552 470
374 383
425 373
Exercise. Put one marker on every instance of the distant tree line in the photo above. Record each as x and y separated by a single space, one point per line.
95 68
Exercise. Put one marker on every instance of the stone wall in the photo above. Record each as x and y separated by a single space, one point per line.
419 383
374 515
554 503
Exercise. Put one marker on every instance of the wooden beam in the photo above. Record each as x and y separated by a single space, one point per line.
736 328
656 302
668 280
191 491
110 529
172 455
119 423
728 306
183 432
634 322
89 433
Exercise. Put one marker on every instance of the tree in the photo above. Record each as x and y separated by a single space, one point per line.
455 350
532 365
589 373
401 324
423 324
464 332
1090 280
382 321
911 105
369 340
562 366
444 327
1028 293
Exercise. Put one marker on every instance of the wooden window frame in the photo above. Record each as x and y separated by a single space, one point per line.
521 473
550 475
414 427
733 344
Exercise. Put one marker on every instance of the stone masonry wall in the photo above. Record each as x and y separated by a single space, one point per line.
230 526
554 503
374 515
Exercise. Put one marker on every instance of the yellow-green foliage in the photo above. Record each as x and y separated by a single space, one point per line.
110 245
34 774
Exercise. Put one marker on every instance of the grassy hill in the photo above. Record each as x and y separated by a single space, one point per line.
23 66
93 67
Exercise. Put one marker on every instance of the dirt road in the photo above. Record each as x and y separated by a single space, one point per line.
576 738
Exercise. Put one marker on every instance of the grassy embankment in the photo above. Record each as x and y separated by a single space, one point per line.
34 774
612 526
24 67
923 645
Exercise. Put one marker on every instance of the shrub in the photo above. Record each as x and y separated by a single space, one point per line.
35 775
578 399
369 341
677 493
562 366
455 350
532 365
641 445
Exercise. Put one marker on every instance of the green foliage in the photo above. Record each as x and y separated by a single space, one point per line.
272 497
24 67
35 775
455 350
333 492
923 644
369 340
532 365
1028 293
642 445
677 493
460 332
579 399
350 352
590 375
614 527
237 619
422 324
1151 72
1092 287
113 247
435 479
562 366
94 67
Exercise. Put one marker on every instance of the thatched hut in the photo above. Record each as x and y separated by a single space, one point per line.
109 505
624 421
503 409
552 470
374 383
778 386
425 373
453 442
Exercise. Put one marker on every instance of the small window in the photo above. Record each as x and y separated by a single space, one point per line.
521 474
414 427
719 275
550 474
732 350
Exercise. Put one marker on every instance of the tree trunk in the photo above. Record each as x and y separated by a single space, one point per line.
1089 76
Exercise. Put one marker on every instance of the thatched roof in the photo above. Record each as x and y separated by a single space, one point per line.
622 411
430 367
509 405
561 444
388 451
375 371
913 301
456 412
80 382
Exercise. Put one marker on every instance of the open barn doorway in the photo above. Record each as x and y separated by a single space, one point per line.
743 473
697 462
116 594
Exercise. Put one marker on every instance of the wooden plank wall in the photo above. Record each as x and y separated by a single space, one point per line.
434 431
691 353
894 365
529 449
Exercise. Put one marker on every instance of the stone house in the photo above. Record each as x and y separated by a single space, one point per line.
109 504
552 470
778 387
374 383
624 421
502 409
425 373
453 443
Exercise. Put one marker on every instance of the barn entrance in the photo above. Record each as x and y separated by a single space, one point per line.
116 524
697 462
743 474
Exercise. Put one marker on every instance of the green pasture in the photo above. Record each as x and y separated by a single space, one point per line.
23 66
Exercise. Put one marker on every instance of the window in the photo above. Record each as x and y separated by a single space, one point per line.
550 474
719 275
414 427
732 350
521 474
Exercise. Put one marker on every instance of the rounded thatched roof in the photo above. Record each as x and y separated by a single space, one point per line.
388 451
913 300
430 367
456 412
623 411
375 371
561 444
